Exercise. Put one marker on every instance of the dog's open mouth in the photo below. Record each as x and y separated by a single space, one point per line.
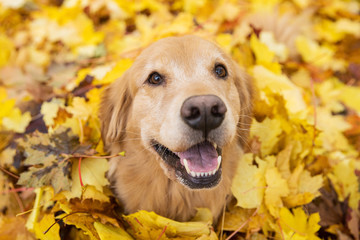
197 167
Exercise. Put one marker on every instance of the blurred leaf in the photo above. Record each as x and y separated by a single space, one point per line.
14 228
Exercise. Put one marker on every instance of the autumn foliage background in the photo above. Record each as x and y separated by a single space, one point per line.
300 177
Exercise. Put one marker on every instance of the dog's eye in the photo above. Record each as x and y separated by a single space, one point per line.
220 71
155 79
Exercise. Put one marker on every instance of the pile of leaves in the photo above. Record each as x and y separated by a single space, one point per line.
300 177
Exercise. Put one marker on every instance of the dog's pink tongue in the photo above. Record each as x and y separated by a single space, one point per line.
201 157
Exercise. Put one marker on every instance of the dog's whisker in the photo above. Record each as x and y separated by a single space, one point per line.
247 145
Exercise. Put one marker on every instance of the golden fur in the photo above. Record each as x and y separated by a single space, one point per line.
132 113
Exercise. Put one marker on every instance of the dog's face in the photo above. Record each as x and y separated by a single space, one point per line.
187 100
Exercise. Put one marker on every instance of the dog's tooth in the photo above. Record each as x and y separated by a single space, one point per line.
207 174
219 162
215 145
192 174
213 172
186 166
198 174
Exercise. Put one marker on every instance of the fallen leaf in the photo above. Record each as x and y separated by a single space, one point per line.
47 157
14 228
148 225
277 188
16 121
298 225
93 174
111 233
43 225
248 185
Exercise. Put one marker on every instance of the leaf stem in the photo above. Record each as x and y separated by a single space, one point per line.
162 233
18 199
60 219
281 231
79 169
9 173
88 156
23 189
242 225
68 156
138 222
81 131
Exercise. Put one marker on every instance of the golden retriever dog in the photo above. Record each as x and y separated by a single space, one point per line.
181 113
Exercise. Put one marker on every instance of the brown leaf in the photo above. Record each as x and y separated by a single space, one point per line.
331 210
102 211
83 221
47 157
353 223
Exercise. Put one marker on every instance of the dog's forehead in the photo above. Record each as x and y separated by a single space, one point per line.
181 53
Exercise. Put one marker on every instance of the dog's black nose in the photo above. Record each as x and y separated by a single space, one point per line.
203 112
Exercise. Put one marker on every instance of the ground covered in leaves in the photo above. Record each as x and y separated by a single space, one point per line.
300 177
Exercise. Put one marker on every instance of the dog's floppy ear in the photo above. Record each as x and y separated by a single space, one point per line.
114 110
245 87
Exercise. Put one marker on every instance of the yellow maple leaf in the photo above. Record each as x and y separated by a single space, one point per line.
7 105
303 187
117 71
310 184
350 96
227 11
331 127
320 56
49 110
268 132
92 173
236 216
74 124
298 225
280 50
261 5
248 185
224 40
192 6
334 31
346 182
80 109
148 225
182 24
283 161
107 232
43 225
277 188
264 56
94 96
83 221
279 83
7 48
16 121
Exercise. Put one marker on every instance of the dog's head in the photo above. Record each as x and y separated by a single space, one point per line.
186 100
